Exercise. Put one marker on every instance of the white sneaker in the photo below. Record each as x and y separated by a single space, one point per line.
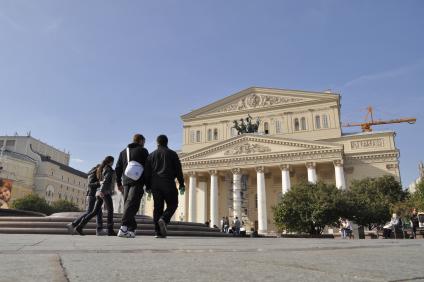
124 234
131 234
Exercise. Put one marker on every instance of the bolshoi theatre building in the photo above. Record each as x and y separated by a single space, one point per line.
299 139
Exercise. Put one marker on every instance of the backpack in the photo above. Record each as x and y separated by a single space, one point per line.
134 169
92 176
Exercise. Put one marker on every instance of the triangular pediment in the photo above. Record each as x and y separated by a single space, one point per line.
254 99
253 144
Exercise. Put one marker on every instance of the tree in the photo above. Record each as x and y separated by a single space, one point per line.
308 208
64 206
416 199
370 201
33 202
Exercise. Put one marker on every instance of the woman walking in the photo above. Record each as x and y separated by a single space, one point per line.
106 176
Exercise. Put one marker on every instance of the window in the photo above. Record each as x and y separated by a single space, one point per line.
192 137
209 134
1 143
233 132
303 123
266 127
317 122
215 134
198 136
277 126
10 144
325 121
296 124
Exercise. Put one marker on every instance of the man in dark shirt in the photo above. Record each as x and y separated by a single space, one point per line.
132 189
162 167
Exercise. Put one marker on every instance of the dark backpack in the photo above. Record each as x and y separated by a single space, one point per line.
93 181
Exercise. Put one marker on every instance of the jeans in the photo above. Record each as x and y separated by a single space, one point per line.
90 201
164 192
132 200
107 199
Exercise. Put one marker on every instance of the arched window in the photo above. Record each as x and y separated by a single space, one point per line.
296 124
215 134
303 123
192 137
198 136
317 122
209 134
325 121
266 127
277 126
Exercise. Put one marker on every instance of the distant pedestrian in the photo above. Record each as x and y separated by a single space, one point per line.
237 226
130 180
163 166
93 185
387 229
226 224
222 224
346 228
106 176
415 223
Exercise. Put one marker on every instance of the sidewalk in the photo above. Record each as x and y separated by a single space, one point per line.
89 258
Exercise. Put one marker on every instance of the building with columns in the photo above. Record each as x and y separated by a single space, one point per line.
299 139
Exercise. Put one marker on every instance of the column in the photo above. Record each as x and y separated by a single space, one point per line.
180 214
201 205
312 172
192 197
262 212
339 171
214 212
236 192
285 178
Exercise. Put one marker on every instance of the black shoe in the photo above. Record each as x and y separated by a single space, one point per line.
162 227
159 236
111 232
78 230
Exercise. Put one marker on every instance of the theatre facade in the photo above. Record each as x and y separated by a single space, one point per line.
299 139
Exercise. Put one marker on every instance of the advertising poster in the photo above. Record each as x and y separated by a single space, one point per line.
5 192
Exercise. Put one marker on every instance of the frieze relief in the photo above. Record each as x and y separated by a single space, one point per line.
367 144
247 148
258 101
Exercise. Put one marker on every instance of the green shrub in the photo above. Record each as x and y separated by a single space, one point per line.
33 202
64 206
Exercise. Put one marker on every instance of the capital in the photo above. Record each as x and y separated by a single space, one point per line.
236 170
285 167
191 173
213 172
311 165
338 163
260 169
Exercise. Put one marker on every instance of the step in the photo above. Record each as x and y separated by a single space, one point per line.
148 232
92 225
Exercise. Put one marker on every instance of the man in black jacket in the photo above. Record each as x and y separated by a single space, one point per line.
133 190
162 167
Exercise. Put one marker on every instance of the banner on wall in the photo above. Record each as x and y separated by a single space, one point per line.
5 192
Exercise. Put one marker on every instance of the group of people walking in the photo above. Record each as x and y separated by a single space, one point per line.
134 170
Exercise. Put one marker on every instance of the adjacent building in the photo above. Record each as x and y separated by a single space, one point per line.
33 166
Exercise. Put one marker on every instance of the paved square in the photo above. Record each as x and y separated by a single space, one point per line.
90 258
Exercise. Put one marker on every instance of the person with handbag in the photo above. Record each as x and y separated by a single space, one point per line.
129 176
106 177
162 168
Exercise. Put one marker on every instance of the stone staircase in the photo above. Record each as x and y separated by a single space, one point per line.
56 224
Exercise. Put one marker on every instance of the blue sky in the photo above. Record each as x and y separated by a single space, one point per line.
86 75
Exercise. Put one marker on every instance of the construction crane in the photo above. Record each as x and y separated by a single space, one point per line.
369 121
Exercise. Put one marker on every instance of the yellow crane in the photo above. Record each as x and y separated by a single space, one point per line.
370 121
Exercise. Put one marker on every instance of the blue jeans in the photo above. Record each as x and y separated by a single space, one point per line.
90 201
